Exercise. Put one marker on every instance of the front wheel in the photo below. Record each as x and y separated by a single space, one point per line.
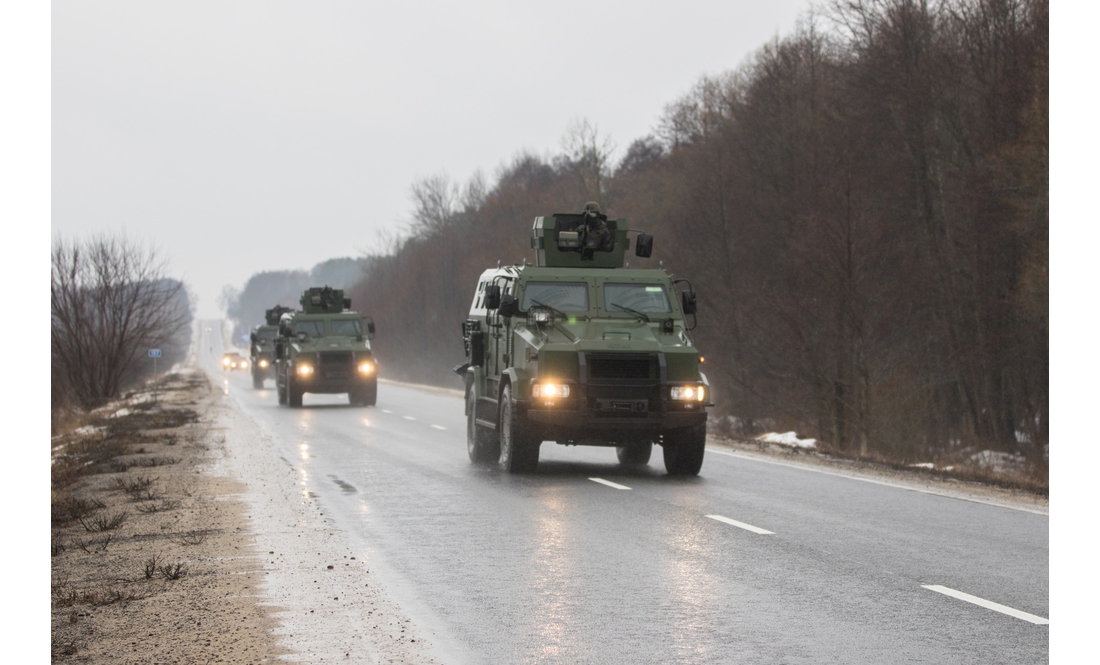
257 381
519 448
280 390
293 393
481 446
683 449
635 454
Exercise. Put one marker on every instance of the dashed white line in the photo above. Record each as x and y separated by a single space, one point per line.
386 411
439 427
609 483
742 525
408 418
988 604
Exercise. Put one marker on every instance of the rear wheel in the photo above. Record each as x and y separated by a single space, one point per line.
519 448
683 449
481 446
635 454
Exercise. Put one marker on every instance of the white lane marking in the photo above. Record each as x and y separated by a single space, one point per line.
408 418
609 483
441 427
742 525
988 604
884 483
386 411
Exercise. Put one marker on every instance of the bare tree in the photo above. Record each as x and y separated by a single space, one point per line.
588 157
111 300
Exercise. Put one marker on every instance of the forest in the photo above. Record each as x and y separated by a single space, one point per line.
861 206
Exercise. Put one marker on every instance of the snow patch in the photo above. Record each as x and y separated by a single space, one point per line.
120 413
88 430
788 439
997 461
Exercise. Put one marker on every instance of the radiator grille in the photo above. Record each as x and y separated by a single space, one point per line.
620 366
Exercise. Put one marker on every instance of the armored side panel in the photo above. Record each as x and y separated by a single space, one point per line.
555 251
323 300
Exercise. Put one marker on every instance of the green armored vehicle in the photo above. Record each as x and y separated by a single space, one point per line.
262 349
324 349
581 350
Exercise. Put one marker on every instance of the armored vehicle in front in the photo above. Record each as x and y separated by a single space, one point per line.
325 348
580 349
262 348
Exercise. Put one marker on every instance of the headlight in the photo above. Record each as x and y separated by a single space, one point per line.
305 370
689 393
244 363
225 361
365 368
539 317
263 363
550 390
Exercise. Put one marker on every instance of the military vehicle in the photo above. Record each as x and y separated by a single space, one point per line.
581 349
233 361
324 349
262 349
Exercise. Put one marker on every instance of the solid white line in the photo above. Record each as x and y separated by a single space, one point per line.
988 604
884 483
408 418
742 525
609 483
441 427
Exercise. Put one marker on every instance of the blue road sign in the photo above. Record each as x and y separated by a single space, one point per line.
154 353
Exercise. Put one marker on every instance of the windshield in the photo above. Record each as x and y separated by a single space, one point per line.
311 328
566 296
346 327
267 333
637 297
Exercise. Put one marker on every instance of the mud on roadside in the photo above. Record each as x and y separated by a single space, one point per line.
151 560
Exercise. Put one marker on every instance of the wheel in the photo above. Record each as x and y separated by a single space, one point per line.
280 390
683 449
293 393
257 381
481 445
370 395
635 454
519 448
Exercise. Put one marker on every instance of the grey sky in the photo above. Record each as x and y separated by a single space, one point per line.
257 135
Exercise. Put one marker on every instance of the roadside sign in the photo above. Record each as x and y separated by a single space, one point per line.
154 353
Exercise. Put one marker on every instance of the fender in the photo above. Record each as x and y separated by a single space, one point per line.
519 381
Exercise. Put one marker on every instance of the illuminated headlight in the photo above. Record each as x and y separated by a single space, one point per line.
550 390
305 370
225 361
689 393
365 368
540 317
263 363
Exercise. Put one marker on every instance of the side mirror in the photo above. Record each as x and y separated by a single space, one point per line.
492 296
303 336
347 303
370 328
508 306
644 246
687 301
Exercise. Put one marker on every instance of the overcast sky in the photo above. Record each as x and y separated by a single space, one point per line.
241 136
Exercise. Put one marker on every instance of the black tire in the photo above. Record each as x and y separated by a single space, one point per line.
635 454
293 394
280 390
363 396
257 381
481 445
683 449
370 395
519 448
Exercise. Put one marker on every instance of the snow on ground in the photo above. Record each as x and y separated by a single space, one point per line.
120 413
89 430
788 439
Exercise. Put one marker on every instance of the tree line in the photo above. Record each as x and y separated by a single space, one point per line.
861 207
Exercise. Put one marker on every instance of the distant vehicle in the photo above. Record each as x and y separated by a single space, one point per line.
262 347
233 361
208 329
325 348
580 350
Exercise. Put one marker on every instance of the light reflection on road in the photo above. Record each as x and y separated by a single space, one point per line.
552 574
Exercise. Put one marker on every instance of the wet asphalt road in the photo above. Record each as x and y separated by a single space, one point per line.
555 567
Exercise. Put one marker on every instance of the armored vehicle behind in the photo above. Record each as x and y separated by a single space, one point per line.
580 350
324 348
262 348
